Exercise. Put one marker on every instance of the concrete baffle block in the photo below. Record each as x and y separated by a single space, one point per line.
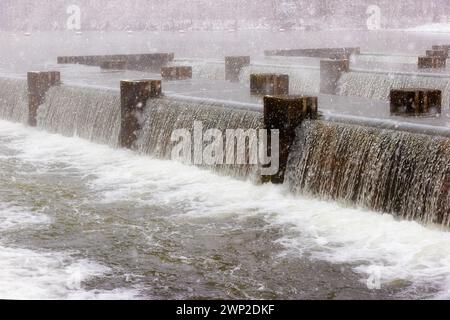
234 66
113 65
63 60
437 53
433 62
415 101
285 113
445 48
176 73
152 61
269 84
38 85
331 71
134 95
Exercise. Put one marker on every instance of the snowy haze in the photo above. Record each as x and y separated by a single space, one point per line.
218 14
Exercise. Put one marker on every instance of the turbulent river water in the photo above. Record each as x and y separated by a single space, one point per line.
82 220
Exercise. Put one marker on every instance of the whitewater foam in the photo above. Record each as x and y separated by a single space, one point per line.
402 251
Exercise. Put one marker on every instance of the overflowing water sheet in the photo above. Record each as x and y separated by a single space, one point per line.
89 113
163 116
13 99
395 172
377 85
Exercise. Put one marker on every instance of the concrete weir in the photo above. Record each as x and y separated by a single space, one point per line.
141 112
176 73
38 85
133 98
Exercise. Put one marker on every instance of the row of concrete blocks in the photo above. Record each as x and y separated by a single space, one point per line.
149 61
324 53
154 62
281 112
331 70
435 58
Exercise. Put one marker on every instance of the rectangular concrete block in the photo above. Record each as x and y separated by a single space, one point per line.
433 62
234 66
331 71
176 73
437 53
134 95
285 113
113 65
445 48
38 85
269 84
415 101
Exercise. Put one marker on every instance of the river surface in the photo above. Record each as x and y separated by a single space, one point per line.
81 221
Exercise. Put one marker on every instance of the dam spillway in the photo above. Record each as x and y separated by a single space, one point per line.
355 171
95 115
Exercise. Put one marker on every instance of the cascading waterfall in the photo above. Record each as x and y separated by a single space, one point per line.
395 172
375 85
89 113
94 114
13 100
163 116
301 80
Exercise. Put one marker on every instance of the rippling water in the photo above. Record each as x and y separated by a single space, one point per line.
81 220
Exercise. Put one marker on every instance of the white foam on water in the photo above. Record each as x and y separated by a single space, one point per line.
13 217
396 251
28 274
32 274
